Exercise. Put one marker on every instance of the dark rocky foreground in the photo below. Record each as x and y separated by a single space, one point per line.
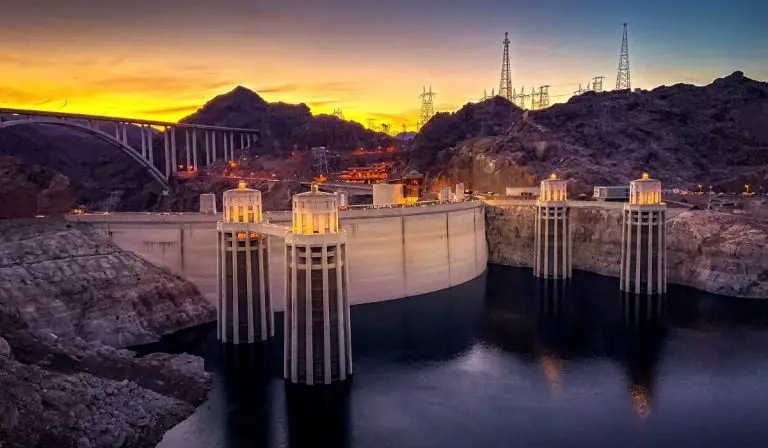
70 301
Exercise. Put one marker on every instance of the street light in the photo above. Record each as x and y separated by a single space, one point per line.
746 189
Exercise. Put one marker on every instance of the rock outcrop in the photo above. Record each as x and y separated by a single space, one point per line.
66 279
30 190
683 135
69 302
714 252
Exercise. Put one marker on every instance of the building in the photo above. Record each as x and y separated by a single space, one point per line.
524 192
552 256
611 193
244 307
388 194
644 239
208 203
318 346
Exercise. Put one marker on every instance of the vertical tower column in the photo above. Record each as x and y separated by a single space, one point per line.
194 149
244 305
207 148
174 164
644 239
552 240
317 326
188 160
224 142
167 140
213 143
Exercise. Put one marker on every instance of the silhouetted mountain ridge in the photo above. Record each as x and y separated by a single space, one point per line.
683 135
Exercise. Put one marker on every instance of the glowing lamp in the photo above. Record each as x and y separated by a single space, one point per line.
645 176
241 184
553 176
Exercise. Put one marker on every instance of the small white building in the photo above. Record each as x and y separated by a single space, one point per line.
524 192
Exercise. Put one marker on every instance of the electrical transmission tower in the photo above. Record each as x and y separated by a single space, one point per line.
427 106
543 97
319 161
338 114
385 128
505 85
520 98
597 83
622 78
534 99
405 129
581 90
371 123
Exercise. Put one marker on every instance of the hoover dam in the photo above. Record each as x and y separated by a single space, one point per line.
393 252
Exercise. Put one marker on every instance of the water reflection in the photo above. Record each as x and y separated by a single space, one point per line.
244 375
435 326
318 415
637 340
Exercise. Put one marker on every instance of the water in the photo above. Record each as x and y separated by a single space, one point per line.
504 361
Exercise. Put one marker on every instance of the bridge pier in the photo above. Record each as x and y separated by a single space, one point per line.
188 151
194 148
143 141
207 148
125 133
175 166
226 148
231 146
213 144
167 153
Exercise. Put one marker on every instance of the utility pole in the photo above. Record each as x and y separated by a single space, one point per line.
371 123
580 91
385 128
427 106
405 129
622 77
338 114
505 84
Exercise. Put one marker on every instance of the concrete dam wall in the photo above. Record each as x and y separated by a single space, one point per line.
392 252
714 252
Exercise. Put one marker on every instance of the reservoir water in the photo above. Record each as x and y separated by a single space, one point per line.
506 361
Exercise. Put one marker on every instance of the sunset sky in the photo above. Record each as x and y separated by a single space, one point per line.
163 59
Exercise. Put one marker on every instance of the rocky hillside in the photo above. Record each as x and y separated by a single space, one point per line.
69 301
95 168
184 195
26 191
714 252
283 126
683 135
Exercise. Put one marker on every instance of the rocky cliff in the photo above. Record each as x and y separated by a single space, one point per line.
29 190
69 302
683 135
715 252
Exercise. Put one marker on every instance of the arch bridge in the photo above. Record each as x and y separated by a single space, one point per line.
180 140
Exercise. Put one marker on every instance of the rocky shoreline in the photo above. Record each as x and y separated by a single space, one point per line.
70 301
714 252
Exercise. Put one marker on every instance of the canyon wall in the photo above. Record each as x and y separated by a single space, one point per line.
715 252
70 300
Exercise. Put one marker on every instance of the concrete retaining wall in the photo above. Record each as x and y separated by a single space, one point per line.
392 252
